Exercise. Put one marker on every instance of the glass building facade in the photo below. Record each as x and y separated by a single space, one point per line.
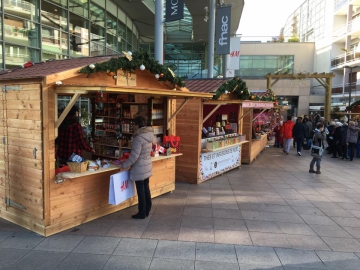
39 30
257 66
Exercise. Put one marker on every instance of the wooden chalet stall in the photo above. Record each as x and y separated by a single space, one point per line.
256 145
199 163
30 193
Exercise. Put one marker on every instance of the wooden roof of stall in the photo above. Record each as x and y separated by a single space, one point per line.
51 67
67 71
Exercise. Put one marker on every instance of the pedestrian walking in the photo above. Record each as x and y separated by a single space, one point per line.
286 133
299 134
352 138
336 141
319 140
344 146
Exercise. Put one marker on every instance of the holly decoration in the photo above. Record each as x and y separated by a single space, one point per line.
129 65
354 105
237 86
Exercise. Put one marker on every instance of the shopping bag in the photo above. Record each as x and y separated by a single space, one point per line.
121 187
174 143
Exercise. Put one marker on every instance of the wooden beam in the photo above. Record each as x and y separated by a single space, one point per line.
177 111
245 113
259 114
70 92
66 111
211 113
130 90
321 82
274 82
327 104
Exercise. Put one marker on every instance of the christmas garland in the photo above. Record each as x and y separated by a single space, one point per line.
130 62
354 105
238 87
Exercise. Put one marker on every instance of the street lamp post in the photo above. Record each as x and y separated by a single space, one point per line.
350 80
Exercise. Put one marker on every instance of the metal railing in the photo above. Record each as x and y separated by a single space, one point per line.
339 31
338 89
345 58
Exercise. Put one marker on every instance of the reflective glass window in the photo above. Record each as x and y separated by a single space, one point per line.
80 7
121 30
111 34
1 34
1 57
54 16
97 15
97 40
100 3
22 32
79 36
27 9
16 56
54 42
62 3
128 35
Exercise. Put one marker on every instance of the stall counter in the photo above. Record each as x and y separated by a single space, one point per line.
83 197
257 146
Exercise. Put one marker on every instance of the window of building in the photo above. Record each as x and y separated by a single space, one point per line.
79 36
21 31
54 42
260 65
27 9
62 3
54 16
80 7
16 56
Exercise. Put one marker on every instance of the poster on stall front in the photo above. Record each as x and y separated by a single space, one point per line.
218 162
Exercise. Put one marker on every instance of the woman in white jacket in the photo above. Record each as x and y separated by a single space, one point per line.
141 165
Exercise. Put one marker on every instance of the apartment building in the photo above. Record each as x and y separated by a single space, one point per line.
334 26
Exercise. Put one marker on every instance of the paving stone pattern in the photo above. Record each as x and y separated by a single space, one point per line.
271 214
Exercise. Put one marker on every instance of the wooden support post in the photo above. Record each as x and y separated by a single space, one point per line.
67 109
177 111
211 113
259 114
273 83
327 105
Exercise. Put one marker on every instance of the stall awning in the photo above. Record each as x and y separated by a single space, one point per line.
73 89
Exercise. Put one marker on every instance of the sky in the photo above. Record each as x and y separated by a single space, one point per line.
263 19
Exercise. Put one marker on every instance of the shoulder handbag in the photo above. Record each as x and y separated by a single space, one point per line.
316 151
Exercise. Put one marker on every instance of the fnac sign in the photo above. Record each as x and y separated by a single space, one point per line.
222 33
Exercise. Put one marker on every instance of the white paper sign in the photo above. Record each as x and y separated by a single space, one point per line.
121 187
218 162
234 53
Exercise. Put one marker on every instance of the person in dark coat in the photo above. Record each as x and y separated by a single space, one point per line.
352 138
308 128
344 147
329 137
336 140
299 133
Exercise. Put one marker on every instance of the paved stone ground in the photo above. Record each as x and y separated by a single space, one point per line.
271 214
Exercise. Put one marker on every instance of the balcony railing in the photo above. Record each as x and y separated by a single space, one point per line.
339 4
338 89
340 31
345 59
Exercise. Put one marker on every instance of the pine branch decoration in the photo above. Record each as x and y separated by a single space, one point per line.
130 64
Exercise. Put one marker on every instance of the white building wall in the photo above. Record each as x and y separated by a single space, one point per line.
303 63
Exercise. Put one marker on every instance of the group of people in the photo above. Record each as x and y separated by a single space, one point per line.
339 138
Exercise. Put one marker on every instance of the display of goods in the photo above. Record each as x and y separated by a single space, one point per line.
174 142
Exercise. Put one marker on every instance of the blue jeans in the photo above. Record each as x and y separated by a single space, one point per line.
287 144
317 161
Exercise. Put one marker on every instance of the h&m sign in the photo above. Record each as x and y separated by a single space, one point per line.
222 30
174 10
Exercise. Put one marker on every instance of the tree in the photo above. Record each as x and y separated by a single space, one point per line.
294 32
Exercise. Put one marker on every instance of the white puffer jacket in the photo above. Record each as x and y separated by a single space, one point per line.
140 159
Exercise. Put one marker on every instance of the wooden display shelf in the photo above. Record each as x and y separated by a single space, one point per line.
153 159
99 155
107 116
130 133
222 148
70 175
106 145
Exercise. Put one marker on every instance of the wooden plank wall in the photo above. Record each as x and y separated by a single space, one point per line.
3 170
246 130
82 199
188 127
25 175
